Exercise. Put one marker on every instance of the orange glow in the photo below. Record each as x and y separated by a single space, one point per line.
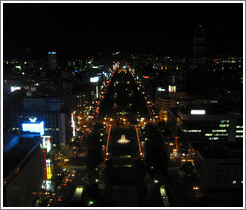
139 146
196 188
108 139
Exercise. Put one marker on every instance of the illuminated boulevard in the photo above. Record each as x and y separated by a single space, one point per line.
115 164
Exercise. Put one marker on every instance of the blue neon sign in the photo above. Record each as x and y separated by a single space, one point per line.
51 53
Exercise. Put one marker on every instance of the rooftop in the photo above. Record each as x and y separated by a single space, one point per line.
219 150
16 148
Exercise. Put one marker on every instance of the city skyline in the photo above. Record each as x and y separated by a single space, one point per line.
123 105
79 29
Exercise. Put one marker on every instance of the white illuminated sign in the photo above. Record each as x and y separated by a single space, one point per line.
34 127
94 79
161 89
73 123
198 112
14 88
33 119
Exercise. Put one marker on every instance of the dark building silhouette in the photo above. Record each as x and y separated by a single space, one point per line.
199 40
52 60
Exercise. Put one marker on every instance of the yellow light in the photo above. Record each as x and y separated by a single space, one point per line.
49 174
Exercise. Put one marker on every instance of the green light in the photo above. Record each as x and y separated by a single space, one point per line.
90 203
129 166
18 67
156 181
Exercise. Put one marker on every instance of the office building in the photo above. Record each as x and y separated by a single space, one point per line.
199 40
219 167
52 63
209 124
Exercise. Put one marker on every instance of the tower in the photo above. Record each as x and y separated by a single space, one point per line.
199 40
52 60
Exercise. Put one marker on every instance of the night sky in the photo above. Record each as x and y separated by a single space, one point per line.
80 29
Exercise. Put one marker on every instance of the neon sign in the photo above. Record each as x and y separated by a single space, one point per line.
33 119
51 53
46 144
172 89
73 123
34 127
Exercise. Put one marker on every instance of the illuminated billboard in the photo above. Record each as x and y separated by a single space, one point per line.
46 144
160 89
146 77
73 123
14 88
94 79
172 89
198 112
33 127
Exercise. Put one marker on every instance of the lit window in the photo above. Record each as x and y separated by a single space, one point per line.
213 138
234 182
219 130
194 131
221 134
223 125
239 136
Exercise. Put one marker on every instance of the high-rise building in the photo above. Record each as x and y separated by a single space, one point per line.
52 60
199 40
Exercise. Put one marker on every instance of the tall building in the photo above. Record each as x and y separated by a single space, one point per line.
219 167
52 60
199 40
209 124
47 109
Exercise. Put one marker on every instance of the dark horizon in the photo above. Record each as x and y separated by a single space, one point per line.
75 30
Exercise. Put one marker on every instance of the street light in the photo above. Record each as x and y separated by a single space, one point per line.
90 203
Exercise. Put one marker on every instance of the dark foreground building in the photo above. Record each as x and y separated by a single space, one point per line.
23 171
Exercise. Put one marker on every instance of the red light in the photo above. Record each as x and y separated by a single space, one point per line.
200 26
